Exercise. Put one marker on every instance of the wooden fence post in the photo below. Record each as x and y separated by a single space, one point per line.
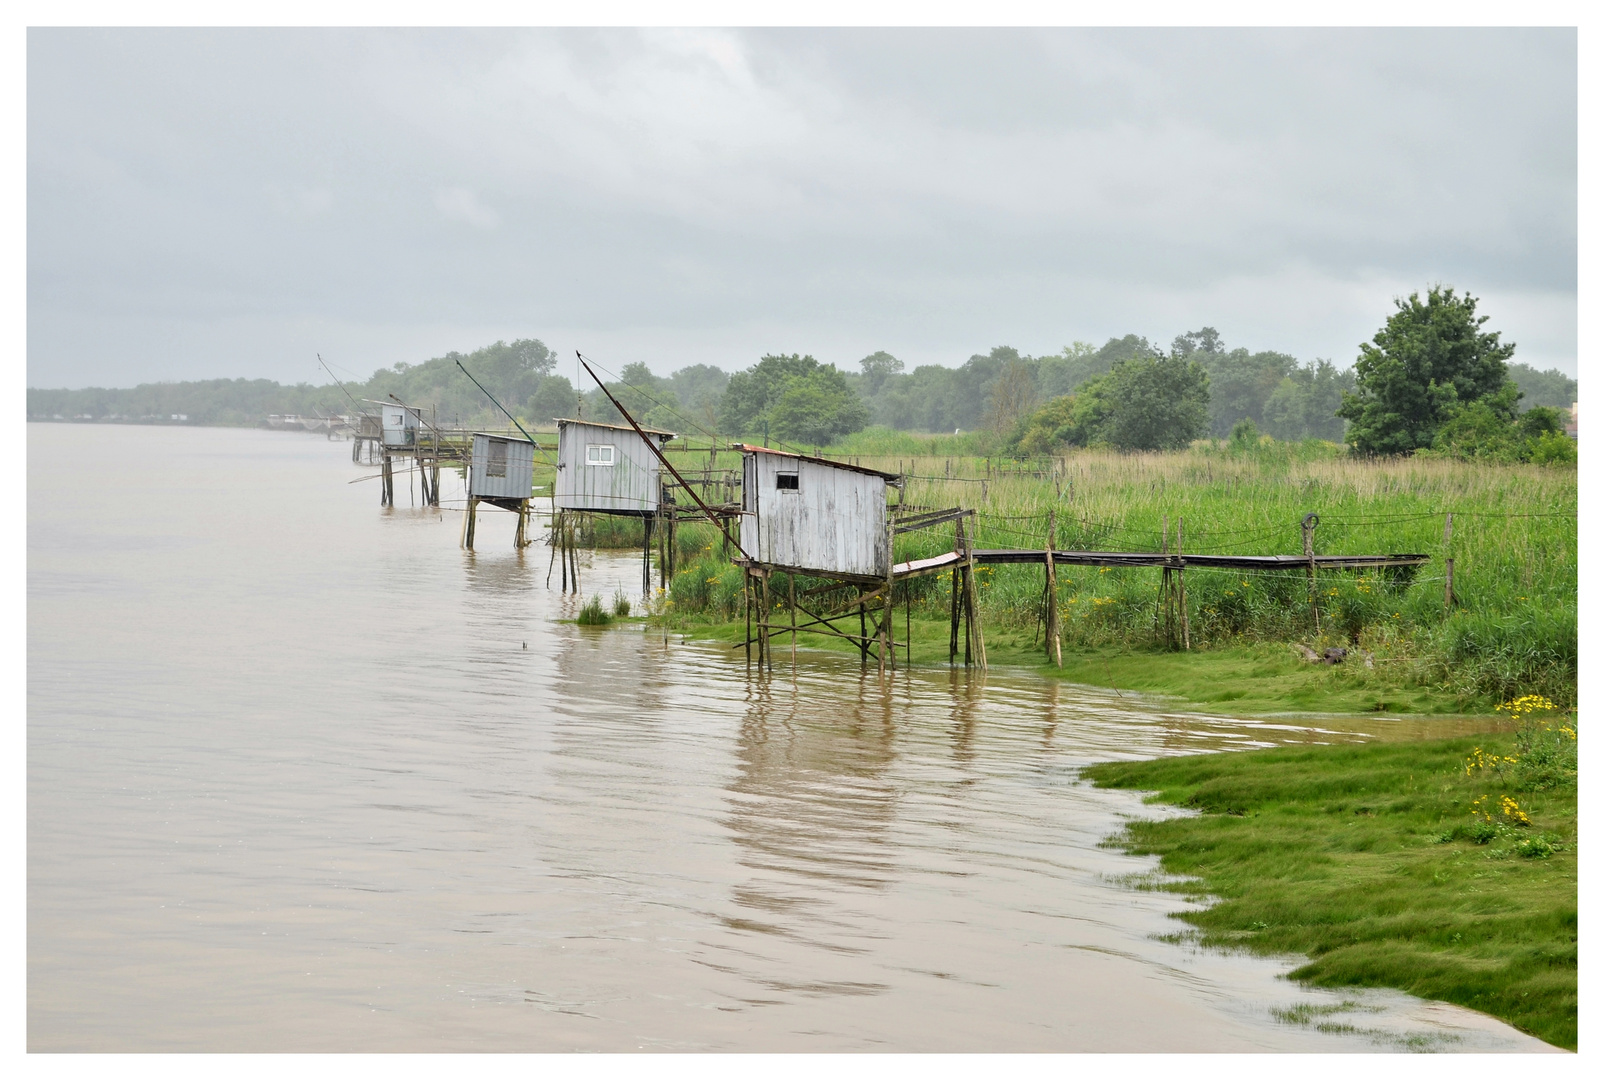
1309 522
1180 554
1448 563
1054 652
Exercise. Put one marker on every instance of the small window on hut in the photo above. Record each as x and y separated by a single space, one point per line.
786 481
598 454
497 464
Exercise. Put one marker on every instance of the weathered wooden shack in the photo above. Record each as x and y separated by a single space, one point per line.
607 469
501 472
501 467
813 516
402 432
400 426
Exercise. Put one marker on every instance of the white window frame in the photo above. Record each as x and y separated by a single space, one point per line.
602 454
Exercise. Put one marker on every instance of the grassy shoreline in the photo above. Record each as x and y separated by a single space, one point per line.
1511 531
1254 678
1403 865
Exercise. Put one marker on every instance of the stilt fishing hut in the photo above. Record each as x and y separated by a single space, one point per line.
612 470
816 518
404 433
501 472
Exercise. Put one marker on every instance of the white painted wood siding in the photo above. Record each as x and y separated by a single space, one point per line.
519 475
400 426
628 485
834 522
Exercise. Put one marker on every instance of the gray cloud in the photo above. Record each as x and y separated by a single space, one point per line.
206 203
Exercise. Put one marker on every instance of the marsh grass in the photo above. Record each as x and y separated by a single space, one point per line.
1511 630
593 614
1366 859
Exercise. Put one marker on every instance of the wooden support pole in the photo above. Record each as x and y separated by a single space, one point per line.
888 625
765 609
473 514
1053 650
551 536
1309 522
863 626
1448 565
1161 613
573 550
1180 574
746 604
791 585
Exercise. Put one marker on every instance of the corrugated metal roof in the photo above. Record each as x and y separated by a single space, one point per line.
747 448
618 427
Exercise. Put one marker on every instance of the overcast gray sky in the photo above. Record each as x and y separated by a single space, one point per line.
226 203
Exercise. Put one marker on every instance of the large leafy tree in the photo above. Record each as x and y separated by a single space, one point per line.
802 399
1156 403
753 392
1430 359
818 407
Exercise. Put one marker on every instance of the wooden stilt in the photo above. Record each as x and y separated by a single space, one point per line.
473 515
764 653
863 625
1053 650
746 603
887 620
1448 564
1180 575
972 603
551 542
646 556
791 584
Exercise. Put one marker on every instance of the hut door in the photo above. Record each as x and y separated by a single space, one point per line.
497 463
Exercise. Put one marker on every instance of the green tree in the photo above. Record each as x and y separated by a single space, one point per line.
1067 420
553 399
753 392
877 368
1430 357
1304 404
818 407
1552 387
1156 404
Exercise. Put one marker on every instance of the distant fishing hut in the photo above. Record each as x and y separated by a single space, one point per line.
816 518
501 472
404 433
607 469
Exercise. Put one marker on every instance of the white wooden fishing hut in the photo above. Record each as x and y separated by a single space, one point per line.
812 517
606 469
404 433
501 472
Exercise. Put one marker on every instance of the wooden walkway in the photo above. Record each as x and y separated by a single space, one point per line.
1038 556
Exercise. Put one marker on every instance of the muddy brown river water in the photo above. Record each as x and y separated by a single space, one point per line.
303 775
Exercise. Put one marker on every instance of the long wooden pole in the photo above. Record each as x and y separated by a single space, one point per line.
1053 650
651 444
1180 553
1448 564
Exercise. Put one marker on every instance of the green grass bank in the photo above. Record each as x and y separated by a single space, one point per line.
1446 868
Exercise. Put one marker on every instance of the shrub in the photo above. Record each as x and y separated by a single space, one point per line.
620 605
593 614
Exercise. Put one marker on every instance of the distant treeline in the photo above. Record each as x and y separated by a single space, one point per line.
791 397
